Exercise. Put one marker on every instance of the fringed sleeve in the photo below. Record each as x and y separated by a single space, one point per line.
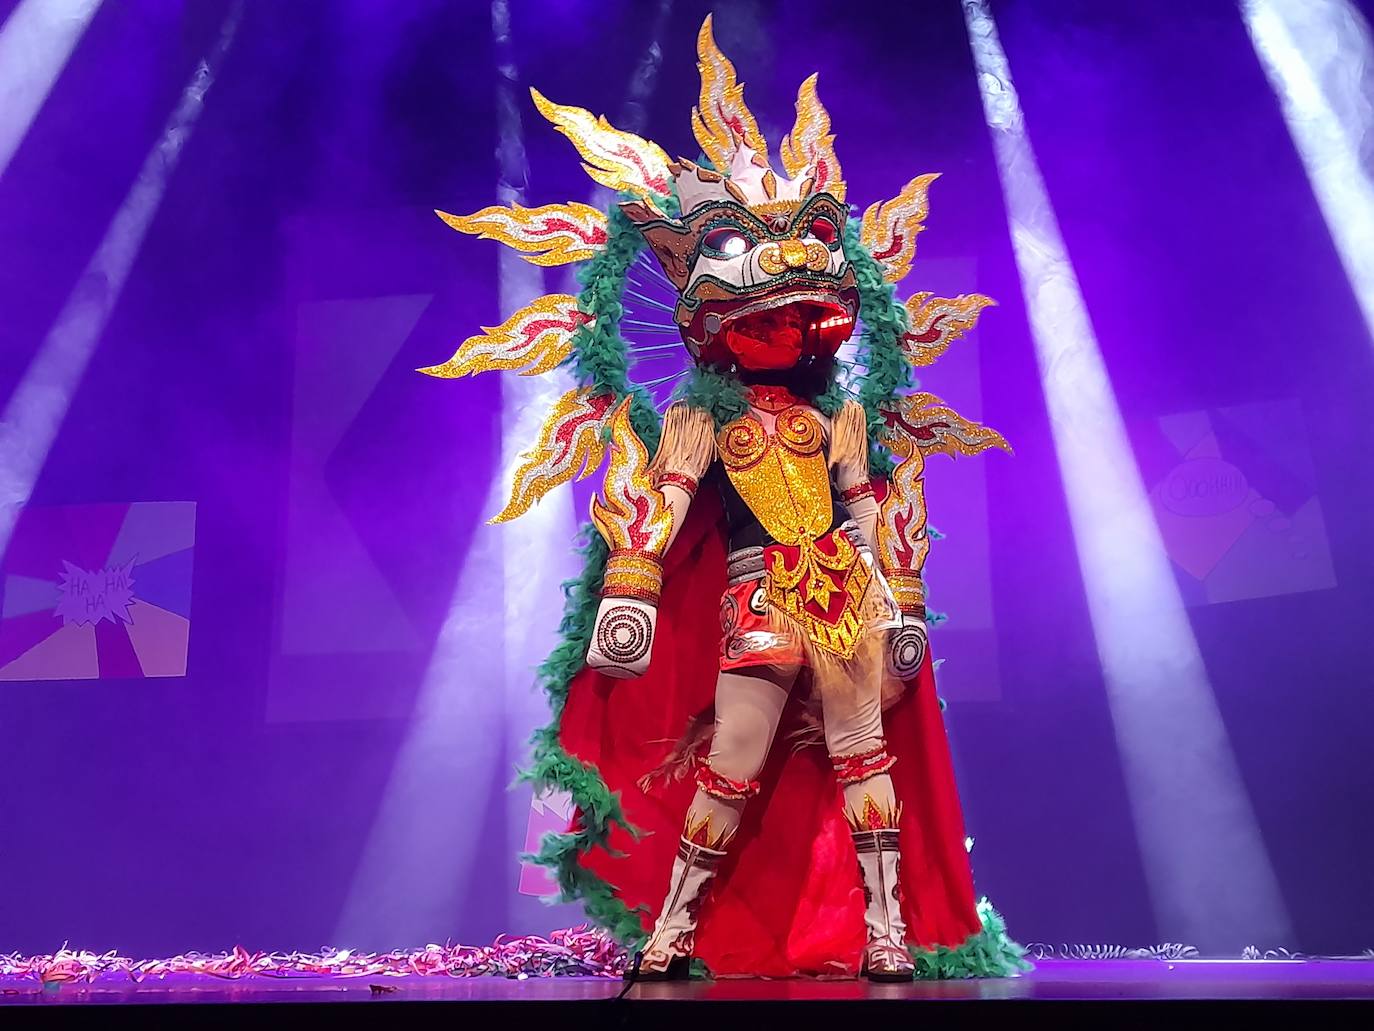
685 451
849 460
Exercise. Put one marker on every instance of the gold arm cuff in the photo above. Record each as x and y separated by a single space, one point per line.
907 589
633 574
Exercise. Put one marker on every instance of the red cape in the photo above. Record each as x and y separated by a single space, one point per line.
788 899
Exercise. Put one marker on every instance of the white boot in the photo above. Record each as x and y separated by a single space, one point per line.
885 955
668 952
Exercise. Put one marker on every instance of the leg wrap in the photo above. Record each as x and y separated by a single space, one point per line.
718 785
859 766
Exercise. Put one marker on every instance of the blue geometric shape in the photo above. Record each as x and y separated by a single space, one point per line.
25 594
166 582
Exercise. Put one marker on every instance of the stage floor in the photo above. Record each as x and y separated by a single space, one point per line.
1125 993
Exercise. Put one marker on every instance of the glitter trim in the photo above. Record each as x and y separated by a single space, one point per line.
574 952
718 785
698 842
907 590
856 493
860 766
633 574
687 483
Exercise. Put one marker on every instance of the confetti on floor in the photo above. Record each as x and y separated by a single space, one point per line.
577 951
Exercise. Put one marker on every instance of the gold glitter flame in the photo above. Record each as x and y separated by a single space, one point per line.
936 322
533 341
923 422
569 441
615 159
551 234
631 513
811 144
721 116
889 228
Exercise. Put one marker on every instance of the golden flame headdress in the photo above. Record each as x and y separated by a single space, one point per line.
794 248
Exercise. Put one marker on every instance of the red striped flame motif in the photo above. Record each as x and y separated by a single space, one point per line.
533 340
902 540
721 117
923 422
569 441
633 515
551 234
617 160
919 425
889 228
811 144
901 549
936 322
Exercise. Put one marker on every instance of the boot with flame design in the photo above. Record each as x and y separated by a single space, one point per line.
885 955
667 955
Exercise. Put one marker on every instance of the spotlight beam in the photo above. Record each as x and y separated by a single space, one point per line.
39 405
35 43
385 902
478 686
1209 875
633 113
1318 56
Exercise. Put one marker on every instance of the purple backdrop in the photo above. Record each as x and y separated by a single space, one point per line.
259 363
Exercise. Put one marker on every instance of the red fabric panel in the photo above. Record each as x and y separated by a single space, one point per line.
626 727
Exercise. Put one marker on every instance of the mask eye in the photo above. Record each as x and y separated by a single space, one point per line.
824 230
726 242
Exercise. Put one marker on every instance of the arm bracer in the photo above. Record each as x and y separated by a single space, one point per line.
644 504
902 540
849 462
633 516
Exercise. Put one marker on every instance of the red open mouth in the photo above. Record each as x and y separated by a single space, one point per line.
776 338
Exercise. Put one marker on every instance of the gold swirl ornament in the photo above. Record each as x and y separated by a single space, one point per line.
781 255
776 258
781 476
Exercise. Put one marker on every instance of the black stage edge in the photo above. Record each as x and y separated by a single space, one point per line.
1059 994
755 1016
761 1015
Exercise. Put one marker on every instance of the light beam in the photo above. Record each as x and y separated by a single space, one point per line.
421 860
39 405
1319 58
37 39
1209 874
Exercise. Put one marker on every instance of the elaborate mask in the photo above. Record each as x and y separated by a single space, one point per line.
757 257
758 262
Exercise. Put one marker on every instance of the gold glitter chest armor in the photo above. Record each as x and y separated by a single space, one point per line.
813 575
782 475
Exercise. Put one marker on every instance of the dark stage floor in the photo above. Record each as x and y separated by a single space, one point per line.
1096 993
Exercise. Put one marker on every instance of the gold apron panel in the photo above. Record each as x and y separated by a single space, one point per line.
784 479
